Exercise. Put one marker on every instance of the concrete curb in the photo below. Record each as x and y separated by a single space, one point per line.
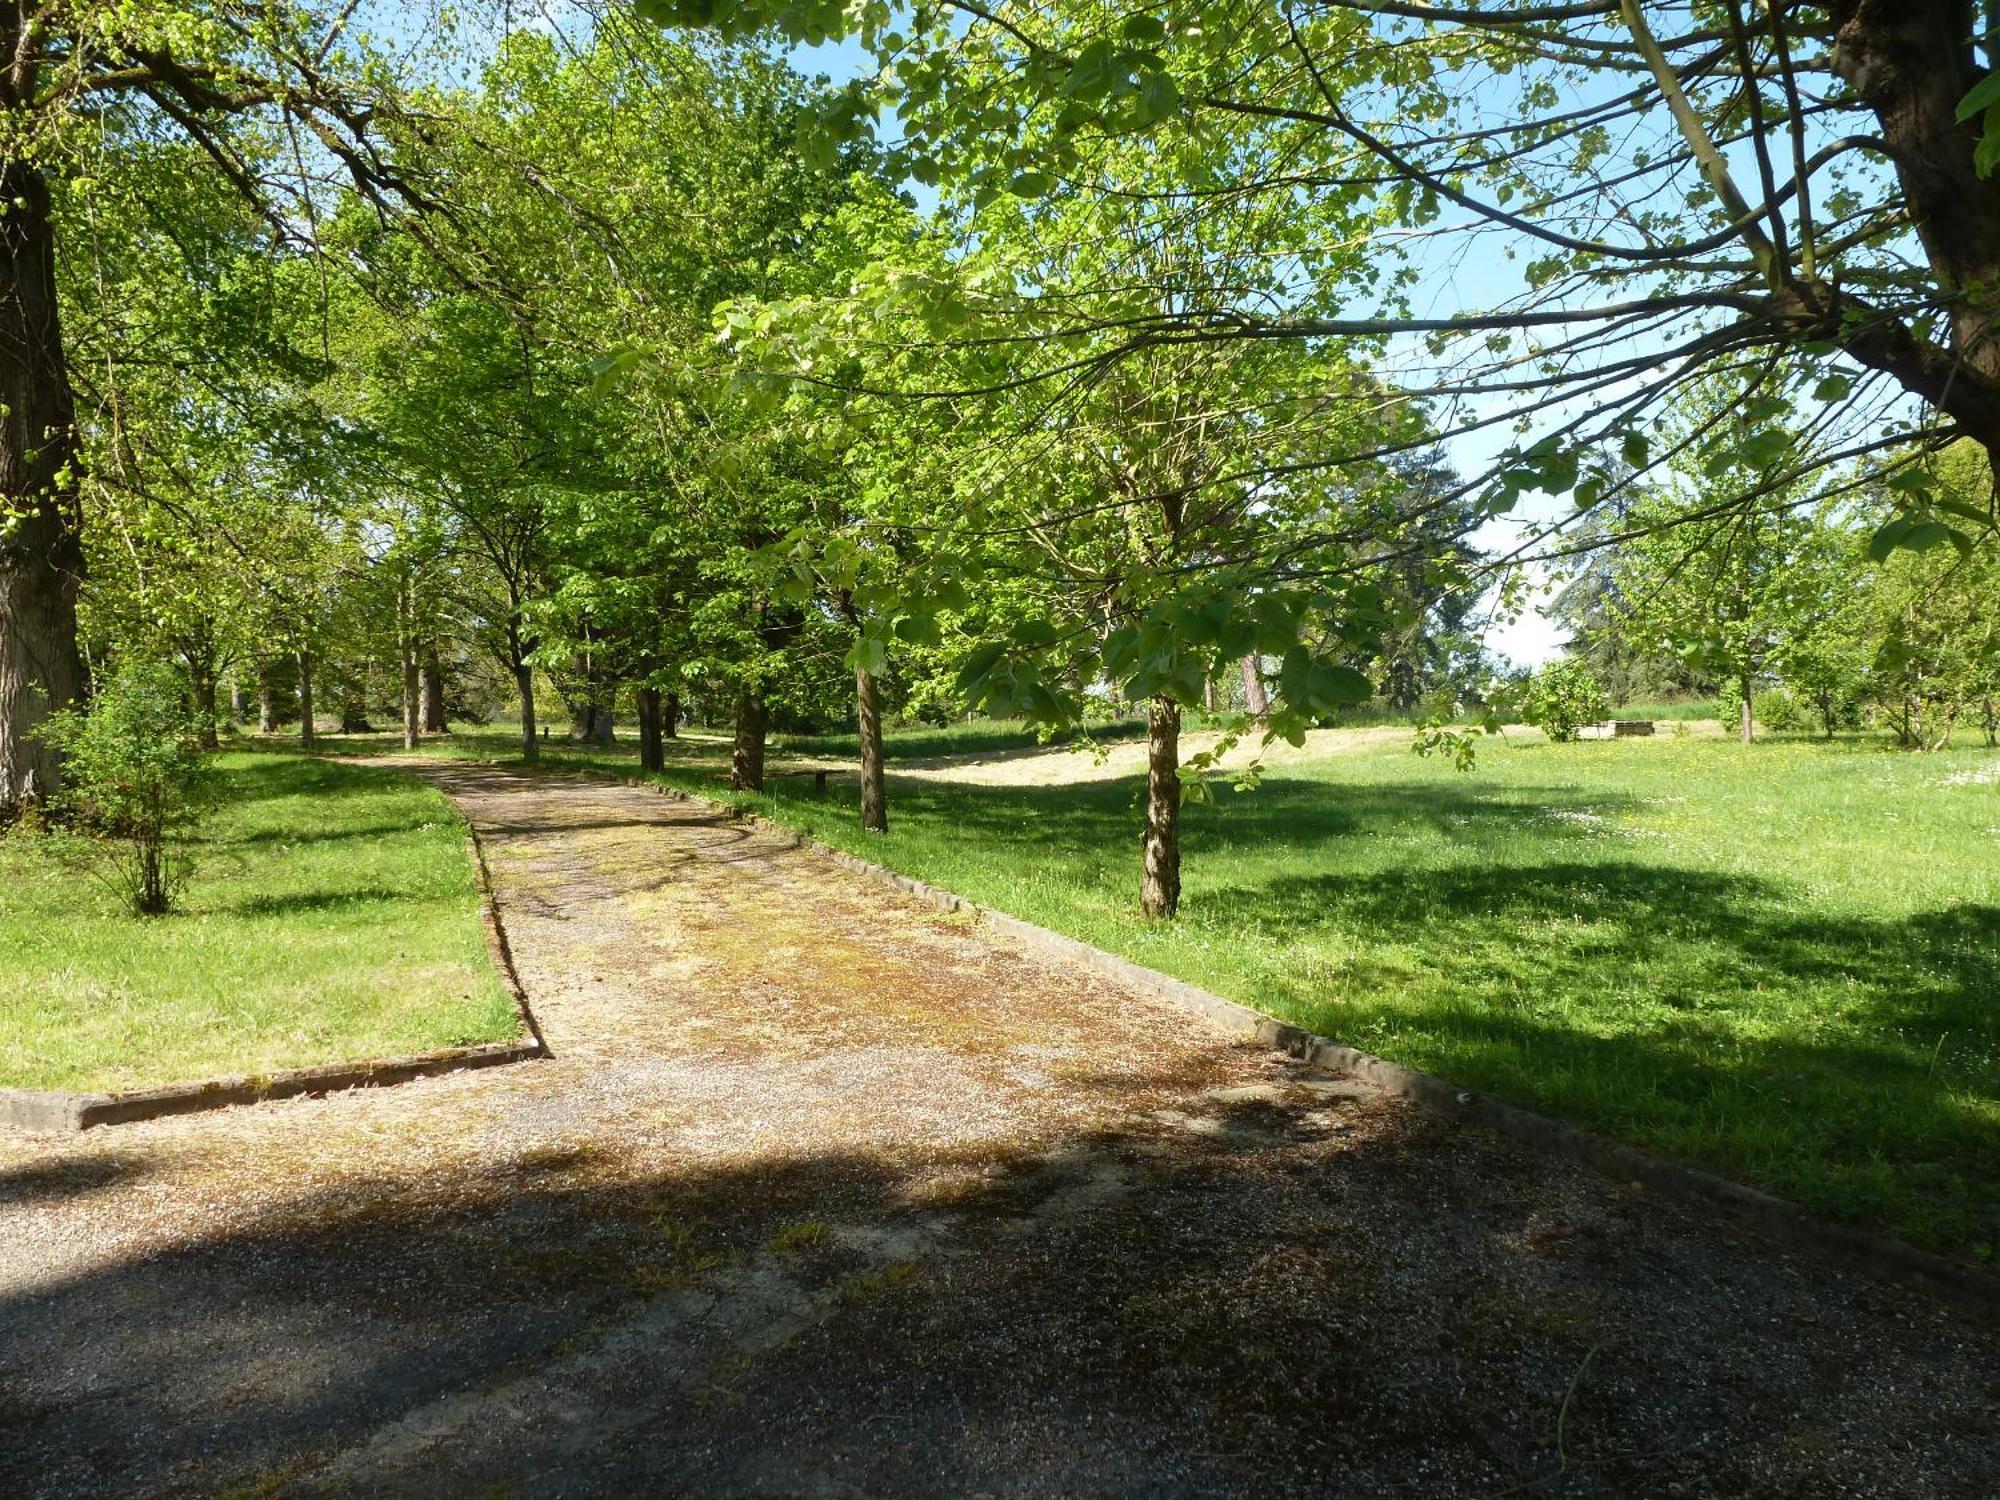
66 1114
1960 1283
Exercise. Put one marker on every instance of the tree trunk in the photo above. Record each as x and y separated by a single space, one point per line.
1160 894
239 701
601 722
1745 720
524 675
413 702
1208 695
652 754
670 722
1911 61
874 789
151 897
1255 701
204 706
746 758
267 708
306 737
433 695
41 552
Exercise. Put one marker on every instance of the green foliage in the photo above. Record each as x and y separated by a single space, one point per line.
136 781
335 917
1561 698
1779 710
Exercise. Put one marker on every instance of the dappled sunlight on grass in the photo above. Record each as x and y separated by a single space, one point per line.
1777 960
333 915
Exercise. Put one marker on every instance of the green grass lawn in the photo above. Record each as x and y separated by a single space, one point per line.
1781 961
333 914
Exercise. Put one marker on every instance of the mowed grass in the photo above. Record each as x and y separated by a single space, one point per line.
1780 961
333 915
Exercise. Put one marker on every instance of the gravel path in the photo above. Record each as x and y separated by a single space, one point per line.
826 1193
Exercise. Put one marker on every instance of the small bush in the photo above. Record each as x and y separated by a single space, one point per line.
1779 710
1562 697
134 780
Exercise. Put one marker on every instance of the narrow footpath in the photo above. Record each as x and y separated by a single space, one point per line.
826 1193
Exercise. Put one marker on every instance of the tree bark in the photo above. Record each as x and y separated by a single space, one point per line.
524 676
874 787
239 701
746 758
670 722
652 754
413 702
1160 894
433 695
1911 61
41 551
1256 702
1746 721
306 735
203 680
267 708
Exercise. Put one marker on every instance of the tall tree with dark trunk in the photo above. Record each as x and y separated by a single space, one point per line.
652 751
223 78
41 552
433 693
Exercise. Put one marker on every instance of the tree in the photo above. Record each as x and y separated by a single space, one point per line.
80 84
1795 199
1563 697
136 778
1930 617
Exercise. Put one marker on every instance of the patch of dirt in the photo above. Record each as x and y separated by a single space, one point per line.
824 1194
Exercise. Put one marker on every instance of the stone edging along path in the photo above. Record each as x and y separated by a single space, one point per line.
61 1114
1961 1283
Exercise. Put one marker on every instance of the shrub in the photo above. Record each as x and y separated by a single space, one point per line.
1561 698
1779 710
134 780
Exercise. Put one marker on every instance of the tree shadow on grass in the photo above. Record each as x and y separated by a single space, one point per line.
1281 812
295 903
1846 1061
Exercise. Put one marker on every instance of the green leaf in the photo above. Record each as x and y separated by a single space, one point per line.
869 654
1090 75
1888 539
1159 98
1147 31
980 661
919 630
1766 447
1925 535
1635 450
1032 185
1982 96
1340 685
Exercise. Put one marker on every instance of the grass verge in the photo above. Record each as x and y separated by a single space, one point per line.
333 915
